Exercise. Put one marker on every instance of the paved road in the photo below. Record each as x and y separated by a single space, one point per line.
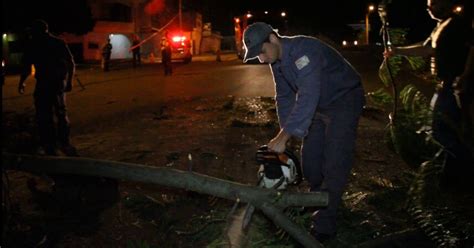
124 89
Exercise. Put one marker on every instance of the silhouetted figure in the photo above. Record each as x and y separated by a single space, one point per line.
136 51
166 54
464 92
54 68
449 44
106 53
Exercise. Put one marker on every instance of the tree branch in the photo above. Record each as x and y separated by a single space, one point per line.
281 220
270 201
162 176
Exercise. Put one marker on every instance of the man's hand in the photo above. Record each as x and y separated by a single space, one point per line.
21 88
278 144
389 53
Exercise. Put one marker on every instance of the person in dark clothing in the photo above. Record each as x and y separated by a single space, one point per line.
54 67
136 51
166 54
449 44
464 92
106 53
319 99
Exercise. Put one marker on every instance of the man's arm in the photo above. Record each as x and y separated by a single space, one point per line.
417 49
422 49
285 100
25 71
285 96
309 82
21 84
461 84
70 68
301 115
302 112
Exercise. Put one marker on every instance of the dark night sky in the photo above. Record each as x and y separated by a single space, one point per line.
62 15
322 15
319 15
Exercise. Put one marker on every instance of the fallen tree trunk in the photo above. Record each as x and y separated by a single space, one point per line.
271 202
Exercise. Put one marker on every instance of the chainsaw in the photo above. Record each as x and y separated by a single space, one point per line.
276 171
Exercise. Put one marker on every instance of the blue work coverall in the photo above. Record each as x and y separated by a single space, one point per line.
319 98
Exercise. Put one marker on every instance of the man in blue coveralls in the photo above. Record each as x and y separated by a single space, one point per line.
319 99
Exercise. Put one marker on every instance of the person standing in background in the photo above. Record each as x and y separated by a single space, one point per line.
166 54
136 51
106 53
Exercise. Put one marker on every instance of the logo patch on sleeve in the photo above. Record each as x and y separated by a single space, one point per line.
302 62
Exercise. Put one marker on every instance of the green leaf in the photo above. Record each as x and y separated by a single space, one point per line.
416 63
380 97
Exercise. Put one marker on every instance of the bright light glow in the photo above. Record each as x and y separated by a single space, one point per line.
458 9
266 12
178 39
371 8
283 14
356 43
3 63
4 36
344 43
237 20
111 35
121 46
249 15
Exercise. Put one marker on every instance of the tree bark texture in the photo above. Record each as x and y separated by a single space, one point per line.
270 201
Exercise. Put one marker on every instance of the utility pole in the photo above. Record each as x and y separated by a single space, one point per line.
180 16
367 25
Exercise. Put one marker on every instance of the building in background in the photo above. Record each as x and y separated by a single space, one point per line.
211 41
12 49
120 20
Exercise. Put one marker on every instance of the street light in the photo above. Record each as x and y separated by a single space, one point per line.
370 9
458 9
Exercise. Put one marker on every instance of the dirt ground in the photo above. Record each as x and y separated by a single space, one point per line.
221 135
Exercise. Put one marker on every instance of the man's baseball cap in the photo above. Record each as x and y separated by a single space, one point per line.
254 37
